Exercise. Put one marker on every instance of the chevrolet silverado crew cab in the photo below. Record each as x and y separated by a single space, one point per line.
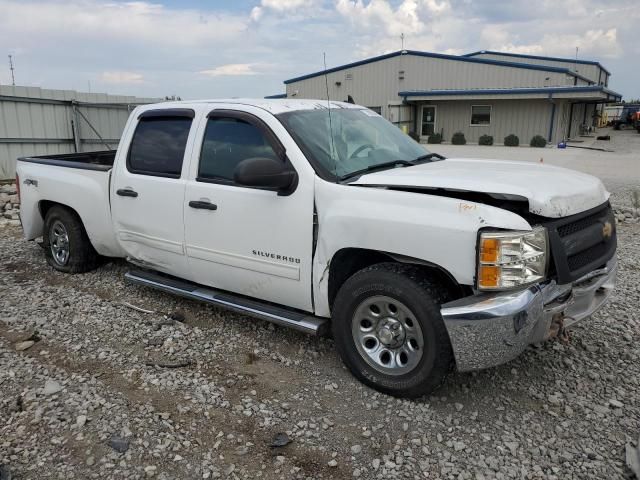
319 217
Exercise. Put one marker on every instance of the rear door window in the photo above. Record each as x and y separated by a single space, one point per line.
158 146
227 142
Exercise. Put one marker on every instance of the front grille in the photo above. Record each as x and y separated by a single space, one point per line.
578 225
587 257
582 243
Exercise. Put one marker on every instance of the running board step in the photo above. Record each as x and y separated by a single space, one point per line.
254 308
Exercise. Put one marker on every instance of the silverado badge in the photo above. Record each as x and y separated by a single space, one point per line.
607 230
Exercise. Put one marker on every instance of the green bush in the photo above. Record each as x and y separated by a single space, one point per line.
538 141
458 139
485 140
434 138
511 140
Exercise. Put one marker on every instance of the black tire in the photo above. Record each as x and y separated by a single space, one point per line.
81 257
423 296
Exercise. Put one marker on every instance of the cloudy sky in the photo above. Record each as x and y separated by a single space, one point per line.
215 48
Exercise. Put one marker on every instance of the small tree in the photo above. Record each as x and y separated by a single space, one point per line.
458 139
511 140
538 141
434 138
485 140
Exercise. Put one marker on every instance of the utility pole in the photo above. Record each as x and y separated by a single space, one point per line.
576 67
13 78
402 40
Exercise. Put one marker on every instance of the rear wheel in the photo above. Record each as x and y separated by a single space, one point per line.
66 244
389 332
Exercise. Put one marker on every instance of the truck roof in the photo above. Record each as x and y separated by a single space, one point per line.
274 106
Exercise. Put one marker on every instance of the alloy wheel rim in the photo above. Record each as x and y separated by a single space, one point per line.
59 242
387 335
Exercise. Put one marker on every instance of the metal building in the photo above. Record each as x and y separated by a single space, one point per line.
480 93
35 121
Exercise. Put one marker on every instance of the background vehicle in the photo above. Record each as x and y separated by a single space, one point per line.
297 214
635 120
627 117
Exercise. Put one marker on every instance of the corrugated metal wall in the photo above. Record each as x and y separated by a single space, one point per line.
35 121
507 116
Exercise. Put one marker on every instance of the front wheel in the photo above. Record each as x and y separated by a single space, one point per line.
66 244
389 332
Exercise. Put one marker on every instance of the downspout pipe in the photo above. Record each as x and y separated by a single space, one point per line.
570 121
553 117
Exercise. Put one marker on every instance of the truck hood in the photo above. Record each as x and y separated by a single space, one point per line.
550 191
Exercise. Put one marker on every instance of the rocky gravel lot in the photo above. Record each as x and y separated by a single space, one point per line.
92 388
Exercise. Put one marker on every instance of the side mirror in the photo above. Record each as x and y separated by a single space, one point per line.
267 173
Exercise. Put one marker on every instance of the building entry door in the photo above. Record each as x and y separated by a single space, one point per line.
428 120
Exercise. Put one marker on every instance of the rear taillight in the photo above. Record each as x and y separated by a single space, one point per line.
18 186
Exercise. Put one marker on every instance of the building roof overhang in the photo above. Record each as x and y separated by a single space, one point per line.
587 93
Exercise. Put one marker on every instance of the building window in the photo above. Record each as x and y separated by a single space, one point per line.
480 115
378 110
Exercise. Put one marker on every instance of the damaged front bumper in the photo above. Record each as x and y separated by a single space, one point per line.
490 329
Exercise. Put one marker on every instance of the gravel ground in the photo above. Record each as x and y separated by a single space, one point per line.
190 391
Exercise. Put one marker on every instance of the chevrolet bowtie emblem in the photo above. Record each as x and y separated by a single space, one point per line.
607 230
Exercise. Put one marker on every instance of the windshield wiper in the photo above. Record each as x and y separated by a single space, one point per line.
379 166
427 157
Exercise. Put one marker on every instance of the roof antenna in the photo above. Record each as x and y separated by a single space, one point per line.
333 149
402 40
576 66
13 78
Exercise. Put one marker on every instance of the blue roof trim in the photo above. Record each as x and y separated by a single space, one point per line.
544 68
538 57
510 91
277 95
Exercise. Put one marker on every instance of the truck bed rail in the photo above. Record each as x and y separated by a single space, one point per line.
101 161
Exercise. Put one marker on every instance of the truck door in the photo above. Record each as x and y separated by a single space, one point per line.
249 241
147 191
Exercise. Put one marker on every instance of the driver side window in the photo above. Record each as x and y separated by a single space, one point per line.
227 142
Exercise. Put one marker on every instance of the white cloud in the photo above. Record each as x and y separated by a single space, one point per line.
380 14
594 43
140 22
256 13
436 6
126 78
231 70
281 7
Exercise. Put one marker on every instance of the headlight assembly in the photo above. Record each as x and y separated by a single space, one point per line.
509 260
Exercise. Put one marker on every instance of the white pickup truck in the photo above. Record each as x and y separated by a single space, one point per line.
315 217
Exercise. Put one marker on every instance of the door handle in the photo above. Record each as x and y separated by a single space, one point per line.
127 192
202 205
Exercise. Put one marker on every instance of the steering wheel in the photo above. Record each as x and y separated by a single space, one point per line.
361 148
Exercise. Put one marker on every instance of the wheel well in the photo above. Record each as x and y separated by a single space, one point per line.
46 205
348 261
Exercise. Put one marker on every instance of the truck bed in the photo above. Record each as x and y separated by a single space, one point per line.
102 161
82 186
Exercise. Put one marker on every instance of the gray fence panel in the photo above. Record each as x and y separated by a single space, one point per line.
35 121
